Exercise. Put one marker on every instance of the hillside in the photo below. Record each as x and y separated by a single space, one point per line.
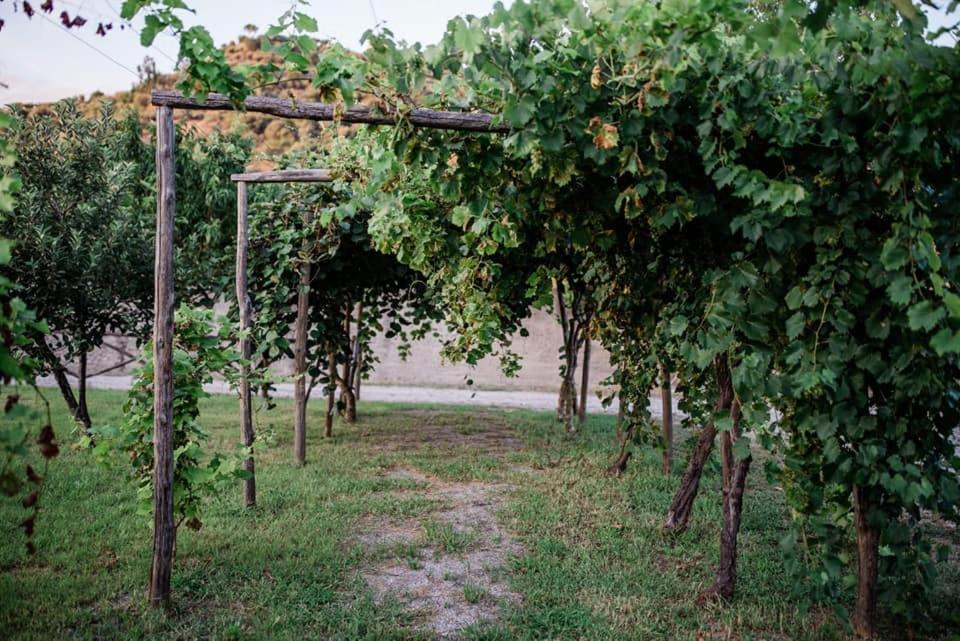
272 135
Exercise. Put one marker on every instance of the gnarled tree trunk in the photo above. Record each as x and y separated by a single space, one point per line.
726 460
567 404
734 486
625 436
83 414
331 392
678 516
49 357
357 354
346 380
567 397
584 382
349 404
60 375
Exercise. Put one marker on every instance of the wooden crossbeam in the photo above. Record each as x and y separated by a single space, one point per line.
358 114
284 176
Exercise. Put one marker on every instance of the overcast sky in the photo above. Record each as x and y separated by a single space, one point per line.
40 60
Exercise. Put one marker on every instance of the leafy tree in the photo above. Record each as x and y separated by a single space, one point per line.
680 129
205 226
84 229
17 323
859 213
82 247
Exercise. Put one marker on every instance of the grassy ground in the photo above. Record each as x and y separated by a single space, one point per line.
594 564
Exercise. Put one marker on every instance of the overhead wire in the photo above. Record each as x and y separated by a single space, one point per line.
137 31
91 46
82 8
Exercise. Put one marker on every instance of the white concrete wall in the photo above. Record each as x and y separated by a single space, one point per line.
424 368
540 362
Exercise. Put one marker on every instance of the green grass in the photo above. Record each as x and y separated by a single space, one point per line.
444 538
474 593
595 566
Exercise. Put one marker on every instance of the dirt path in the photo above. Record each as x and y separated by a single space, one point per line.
451 566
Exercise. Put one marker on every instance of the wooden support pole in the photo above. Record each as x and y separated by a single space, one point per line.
164 528
300 357
246 350
358 114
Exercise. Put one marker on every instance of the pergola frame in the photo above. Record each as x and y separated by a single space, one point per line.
164 526
246 306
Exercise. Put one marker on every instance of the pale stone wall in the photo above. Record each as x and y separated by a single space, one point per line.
540 362
424 368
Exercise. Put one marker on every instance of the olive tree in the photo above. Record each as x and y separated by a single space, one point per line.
84 226
81 258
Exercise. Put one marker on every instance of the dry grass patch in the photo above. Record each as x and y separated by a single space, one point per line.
452 567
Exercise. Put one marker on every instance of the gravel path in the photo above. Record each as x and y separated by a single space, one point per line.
403 394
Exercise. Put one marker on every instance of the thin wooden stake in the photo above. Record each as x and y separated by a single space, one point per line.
246 350
164 529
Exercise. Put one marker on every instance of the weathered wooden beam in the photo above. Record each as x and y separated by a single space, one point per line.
358 114
285 176
164 528
246 349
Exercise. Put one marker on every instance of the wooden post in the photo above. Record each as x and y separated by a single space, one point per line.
666 408
300 358
164 529
246 349
284 176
